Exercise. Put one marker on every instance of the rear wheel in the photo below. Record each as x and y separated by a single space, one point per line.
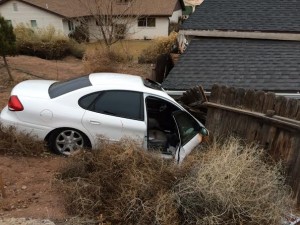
67 141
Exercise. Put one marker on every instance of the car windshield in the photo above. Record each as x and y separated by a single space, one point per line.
152 84
61 88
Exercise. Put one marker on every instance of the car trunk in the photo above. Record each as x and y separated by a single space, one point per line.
33 89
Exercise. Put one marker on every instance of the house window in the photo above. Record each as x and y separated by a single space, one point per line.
15 7
104 21
146 22
120 30
9 22
71 25
33 23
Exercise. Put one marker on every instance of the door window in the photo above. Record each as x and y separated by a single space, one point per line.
125 104
188 127
162 130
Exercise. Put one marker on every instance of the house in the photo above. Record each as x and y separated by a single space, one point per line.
241 43
190 6
147 20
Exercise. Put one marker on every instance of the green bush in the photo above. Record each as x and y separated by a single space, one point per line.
45 43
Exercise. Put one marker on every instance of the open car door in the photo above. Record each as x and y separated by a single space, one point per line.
190 132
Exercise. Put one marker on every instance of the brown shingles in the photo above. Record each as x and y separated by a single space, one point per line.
75 8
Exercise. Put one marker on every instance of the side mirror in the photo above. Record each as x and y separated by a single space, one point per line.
204 131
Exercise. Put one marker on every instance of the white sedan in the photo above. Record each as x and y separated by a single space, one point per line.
78 113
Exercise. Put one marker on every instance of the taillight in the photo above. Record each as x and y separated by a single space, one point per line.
14 104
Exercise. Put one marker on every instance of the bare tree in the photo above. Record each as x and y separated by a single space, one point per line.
108 20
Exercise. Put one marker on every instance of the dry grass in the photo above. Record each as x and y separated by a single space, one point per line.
46 43
161 45
130 47
123 183
14 143
100 59
225 184
232 184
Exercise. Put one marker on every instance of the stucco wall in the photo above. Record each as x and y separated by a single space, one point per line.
175 17
161 29
134 31
26 13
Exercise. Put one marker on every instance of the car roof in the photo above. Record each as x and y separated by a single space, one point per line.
116 79
123 81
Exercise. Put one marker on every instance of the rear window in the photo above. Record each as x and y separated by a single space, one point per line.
61 88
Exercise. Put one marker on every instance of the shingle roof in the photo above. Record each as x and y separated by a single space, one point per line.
73 8
246 15
257 64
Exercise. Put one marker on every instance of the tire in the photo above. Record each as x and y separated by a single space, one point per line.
67 141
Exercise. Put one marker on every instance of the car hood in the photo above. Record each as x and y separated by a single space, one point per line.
33 88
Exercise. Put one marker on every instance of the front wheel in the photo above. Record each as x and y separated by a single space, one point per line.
67 141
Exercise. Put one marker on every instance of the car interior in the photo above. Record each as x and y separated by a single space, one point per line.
162 131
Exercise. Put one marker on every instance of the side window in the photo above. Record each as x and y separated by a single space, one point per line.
15 7
159 113
33 23
70 25
126 104
187 125
86 101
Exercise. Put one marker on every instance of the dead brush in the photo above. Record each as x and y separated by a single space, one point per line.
122 182
231 184
221 184
15 143
102 59
161 45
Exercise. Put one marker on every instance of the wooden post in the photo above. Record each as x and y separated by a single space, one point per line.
2 186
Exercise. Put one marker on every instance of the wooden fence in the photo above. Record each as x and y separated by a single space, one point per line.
272 121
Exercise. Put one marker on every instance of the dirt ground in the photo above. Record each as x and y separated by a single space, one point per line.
28 182
29 188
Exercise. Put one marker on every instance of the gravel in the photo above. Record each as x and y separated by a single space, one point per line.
24 221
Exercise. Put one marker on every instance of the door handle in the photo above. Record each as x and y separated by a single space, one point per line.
94 122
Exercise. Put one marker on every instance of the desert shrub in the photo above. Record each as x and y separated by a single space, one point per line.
15 143
162 45
80 34
123 183
102 59
231 184
220 184
25 37
76 49
46 43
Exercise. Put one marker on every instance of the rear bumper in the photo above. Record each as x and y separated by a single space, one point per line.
9 119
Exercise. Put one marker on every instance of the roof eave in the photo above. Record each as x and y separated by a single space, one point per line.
41 8
272 35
